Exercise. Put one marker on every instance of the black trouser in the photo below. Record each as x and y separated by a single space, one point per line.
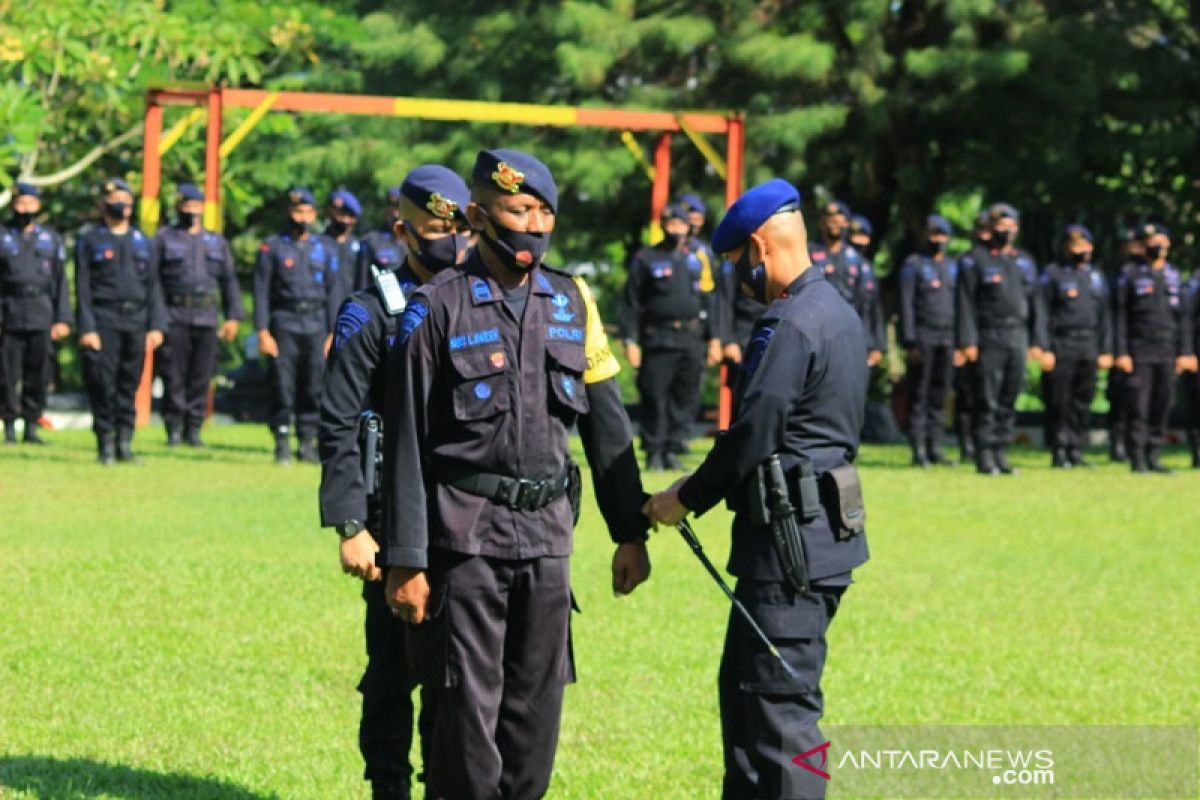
1191 385
495 656
1149 392
669 390
928 384
188 364
1118 406
1070 389
296 381
26 364
1000 373
767 717
964 404
385 731
112 375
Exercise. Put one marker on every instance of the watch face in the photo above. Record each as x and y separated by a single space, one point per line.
348 528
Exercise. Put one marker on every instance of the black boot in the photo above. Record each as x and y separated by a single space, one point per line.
174 436
1117 452
1003 464
1196 456
105 452
985 462
1076 456
1137 461
1061 459
1155 465
283 453
192 437
938 456
125 448
671 462
389 790
966 447
31 433
307 451
10 432
654 461
920 458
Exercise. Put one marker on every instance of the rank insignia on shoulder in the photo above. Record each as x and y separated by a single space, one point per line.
441 207
481 290
507 178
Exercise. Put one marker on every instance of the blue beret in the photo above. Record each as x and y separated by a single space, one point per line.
999 211
751 210
23 189
834 208
692 202
676 210
299 196
1078 230
344 200
392 195
936 223
860 224
116 185
1153 229
514 171
188 191
438 190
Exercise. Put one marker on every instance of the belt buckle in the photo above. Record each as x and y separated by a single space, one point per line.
528 495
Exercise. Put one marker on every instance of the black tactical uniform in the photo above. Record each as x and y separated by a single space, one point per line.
292 298
993 291
33 297
1071 320
802 397
927 328
847 271
119 297
1154 327
199 278
665 313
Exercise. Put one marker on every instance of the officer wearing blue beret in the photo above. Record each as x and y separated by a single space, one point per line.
801 400
35 310
926 332
1129 249
120 312
494 364
1073 329
860 235
431 205
382 248
846 269
199 279
964 370
343 215
295 277
1154 342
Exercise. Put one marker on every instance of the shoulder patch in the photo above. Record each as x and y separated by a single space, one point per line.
758 346
412 318
351 319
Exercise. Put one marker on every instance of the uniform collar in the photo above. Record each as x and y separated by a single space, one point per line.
485 289
810 275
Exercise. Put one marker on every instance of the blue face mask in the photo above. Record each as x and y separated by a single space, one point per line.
752 276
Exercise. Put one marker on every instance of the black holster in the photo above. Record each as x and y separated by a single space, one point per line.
370 442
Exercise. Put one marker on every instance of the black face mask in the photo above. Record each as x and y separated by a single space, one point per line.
1000 239
936 247
298 229
1155 252
519 251
22 218
438 254
695 229
337 227
752 276
118 211
1079 258
187 219
673 240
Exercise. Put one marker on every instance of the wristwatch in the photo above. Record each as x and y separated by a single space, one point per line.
350 528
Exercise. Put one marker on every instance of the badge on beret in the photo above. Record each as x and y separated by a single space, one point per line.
338 202
444 207
295 197
110 187
507 178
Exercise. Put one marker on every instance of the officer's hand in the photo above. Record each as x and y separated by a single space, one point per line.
407 593
733 352
328 343
634 354
971 353
90 341
267 345
358 556
1124 363
1035 354
154 339
229 330
714 352
1047 361
59 331
874 357
664 508
1185 364
1105 361
1193 364
960 358
630 567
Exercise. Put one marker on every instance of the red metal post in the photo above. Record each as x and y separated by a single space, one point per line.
151 184
734 149
212 163
662 178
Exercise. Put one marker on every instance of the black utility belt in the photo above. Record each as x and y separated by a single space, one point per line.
838 491
1156 337
689 325
522 494
200 301
25 290
122 306
1002 325
299 306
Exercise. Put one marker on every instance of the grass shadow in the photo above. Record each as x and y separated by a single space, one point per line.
81 778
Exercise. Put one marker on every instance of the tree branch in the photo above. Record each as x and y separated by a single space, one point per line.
79 166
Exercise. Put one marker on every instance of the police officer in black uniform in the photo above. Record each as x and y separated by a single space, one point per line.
1129 249
344 213
434 220
993 291
665 328
35 310
493 365
860 235
383 248
801 400
845 269
294 278
926 332
1153 343
1073 331
198 278
964 371
120 312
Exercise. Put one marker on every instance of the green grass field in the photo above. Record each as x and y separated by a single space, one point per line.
181 629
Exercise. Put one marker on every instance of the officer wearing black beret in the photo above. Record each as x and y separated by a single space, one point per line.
35 310
493 366
665 327
120 313
1073 330
801 401
926 331
994 291
432 221
1153 332
199 278
383 248
294 294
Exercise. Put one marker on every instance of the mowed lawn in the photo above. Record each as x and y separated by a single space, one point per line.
181 629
